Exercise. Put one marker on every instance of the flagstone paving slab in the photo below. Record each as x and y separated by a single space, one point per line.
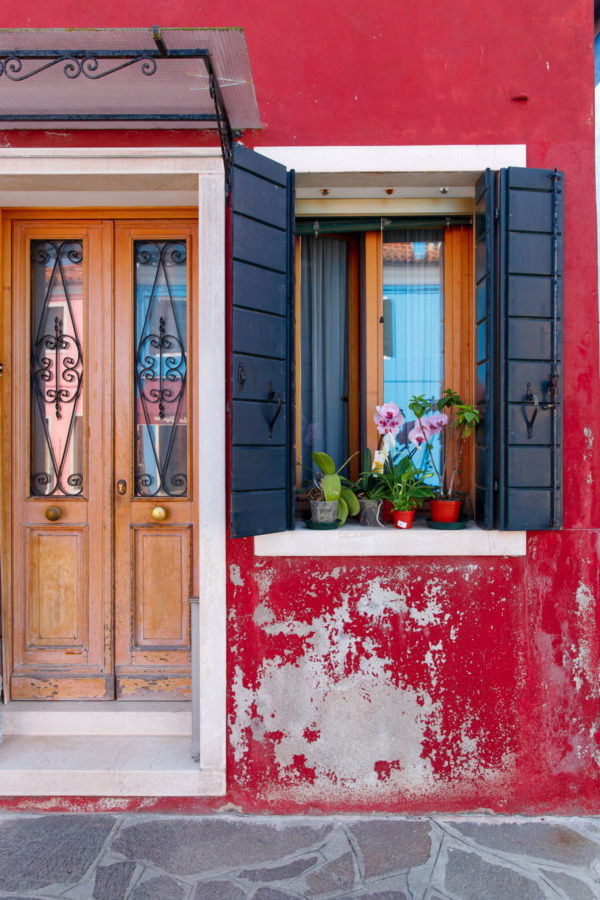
234 857
113 880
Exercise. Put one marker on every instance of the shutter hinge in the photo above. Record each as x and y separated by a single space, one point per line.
1 370
496 213
495 484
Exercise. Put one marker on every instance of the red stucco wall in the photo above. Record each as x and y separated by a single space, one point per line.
408 685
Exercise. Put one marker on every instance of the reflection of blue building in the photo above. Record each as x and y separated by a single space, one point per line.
413 349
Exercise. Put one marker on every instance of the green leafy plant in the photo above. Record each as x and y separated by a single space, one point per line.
329 486
405 484
369 484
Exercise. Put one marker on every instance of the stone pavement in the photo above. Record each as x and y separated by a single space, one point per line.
228 857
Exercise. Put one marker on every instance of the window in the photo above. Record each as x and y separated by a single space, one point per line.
382 314
516 349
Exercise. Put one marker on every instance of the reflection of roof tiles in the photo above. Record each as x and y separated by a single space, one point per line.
404 252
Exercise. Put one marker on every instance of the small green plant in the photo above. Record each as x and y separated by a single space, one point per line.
405 484
369 484
328 486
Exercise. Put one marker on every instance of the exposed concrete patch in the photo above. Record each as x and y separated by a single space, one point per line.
263 615
379 601
235 575
244 699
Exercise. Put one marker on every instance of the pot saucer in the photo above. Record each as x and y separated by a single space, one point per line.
448 526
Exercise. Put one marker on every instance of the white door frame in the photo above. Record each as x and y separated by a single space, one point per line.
161 177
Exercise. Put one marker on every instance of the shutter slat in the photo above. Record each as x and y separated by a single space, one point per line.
261 295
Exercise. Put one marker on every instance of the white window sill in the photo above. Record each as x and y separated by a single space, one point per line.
355 540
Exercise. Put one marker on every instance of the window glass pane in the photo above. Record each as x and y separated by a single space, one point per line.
56 368
324 342
161 452
413 307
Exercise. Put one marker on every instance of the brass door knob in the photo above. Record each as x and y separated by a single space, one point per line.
53 513
159 514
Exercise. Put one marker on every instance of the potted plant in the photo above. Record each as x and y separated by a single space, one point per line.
459 418
370 491
330 502
405 489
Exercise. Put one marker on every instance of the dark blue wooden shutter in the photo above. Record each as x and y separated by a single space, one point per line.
484 343
530 232
262 288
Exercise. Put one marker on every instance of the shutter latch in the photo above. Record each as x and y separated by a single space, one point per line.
531 398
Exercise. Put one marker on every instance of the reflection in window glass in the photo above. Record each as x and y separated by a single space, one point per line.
57 326
161 455
413 315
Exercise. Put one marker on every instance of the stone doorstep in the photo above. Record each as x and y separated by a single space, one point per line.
104 765
102 718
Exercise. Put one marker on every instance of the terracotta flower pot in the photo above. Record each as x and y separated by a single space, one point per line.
403 518
445 510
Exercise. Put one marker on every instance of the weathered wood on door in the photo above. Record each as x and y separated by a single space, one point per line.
99 596
61 572
154 571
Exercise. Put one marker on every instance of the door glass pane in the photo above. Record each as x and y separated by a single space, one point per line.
161 452
57 317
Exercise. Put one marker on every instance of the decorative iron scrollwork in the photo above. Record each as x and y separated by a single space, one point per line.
56 368
87 65
160 369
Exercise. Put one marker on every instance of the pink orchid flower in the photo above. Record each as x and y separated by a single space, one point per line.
419 435
435 423
388 419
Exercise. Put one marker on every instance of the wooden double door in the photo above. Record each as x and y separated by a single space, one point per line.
99 460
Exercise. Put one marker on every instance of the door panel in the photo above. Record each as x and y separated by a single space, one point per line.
153 456
56 566
101 438
162 586
61 609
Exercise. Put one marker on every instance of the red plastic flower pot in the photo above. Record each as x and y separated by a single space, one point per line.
445 510
403 518
386 512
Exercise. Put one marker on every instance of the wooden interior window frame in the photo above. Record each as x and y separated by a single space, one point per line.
458 336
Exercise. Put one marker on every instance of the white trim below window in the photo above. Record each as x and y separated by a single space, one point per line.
355 540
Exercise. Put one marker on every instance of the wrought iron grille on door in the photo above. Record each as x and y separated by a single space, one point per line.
161 369
57 377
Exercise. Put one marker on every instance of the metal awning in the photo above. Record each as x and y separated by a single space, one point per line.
128 77
124 77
